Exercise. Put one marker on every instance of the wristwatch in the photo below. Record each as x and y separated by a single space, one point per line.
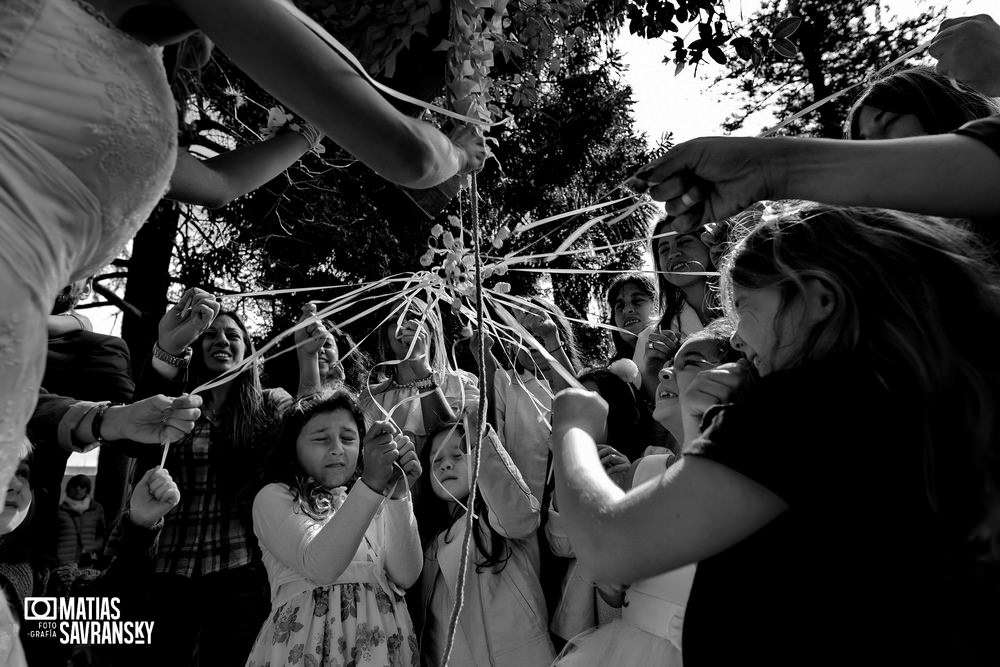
172 359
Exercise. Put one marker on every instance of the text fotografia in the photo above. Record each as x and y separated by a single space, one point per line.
84 620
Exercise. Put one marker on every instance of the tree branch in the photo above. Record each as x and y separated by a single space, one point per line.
116 300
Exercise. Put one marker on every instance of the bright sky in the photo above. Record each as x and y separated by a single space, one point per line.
689 107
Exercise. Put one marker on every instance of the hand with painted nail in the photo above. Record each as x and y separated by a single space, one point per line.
709 179
181 325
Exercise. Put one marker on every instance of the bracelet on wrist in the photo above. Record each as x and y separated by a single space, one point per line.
172 359
98 421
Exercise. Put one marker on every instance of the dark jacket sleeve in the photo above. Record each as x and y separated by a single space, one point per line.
131 566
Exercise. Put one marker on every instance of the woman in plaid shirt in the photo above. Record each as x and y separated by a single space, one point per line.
210 595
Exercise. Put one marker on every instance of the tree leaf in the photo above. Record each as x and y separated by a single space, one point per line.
757 58
679 67
786 27
785 48
744 47
717 55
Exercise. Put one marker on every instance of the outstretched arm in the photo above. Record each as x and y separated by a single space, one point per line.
709 179
218 180
698 507
317 84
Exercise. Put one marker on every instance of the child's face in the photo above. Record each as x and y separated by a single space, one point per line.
76 492
18 501
874 123
771 335
449 467
633 311
667 410
330 369
682 253
328 447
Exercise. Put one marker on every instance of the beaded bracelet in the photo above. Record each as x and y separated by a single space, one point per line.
425 383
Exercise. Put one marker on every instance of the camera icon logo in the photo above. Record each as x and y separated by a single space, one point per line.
40 609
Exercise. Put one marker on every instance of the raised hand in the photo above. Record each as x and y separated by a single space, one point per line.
409 331
380 452
657 347
539 324
472 145
968 49
154 496
709 388
410 464
152 420
180 326
578 408
316 334
615 463
709 179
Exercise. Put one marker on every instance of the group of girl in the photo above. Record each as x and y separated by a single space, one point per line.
829 497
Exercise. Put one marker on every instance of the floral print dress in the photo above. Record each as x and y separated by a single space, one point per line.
361 619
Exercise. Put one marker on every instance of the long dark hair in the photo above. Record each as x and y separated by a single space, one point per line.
938 104
914 296
624 350
671 296
626 414
282 462
243 417
434 516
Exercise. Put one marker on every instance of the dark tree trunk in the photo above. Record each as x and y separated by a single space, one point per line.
149 280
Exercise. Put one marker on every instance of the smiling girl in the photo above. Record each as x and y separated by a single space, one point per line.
209 574
854 488
632 302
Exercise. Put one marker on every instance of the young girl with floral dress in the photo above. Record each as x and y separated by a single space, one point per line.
339 540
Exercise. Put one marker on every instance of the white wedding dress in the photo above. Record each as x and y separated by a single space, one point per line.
88 141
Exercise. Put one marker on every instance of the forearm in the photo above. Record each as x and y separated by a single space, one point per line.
321 554
404 557
217 181
309 77
435 409
947 175
309 381
513 511
586 495
556 381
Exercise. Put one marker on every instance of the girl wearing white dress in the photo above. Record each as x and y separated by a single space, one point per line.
649 630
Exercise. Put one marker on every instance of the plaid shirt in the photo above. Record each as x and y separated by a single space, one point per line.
206 532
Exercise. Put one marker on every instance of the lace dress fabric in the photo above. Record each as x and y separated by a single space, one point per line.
87 146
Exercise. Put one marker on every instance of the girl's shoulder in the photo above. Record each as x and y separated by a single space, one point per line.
274 492
277 400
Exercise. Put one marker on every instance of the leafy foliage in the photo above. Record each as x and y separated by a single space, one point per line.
330 220
833 44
